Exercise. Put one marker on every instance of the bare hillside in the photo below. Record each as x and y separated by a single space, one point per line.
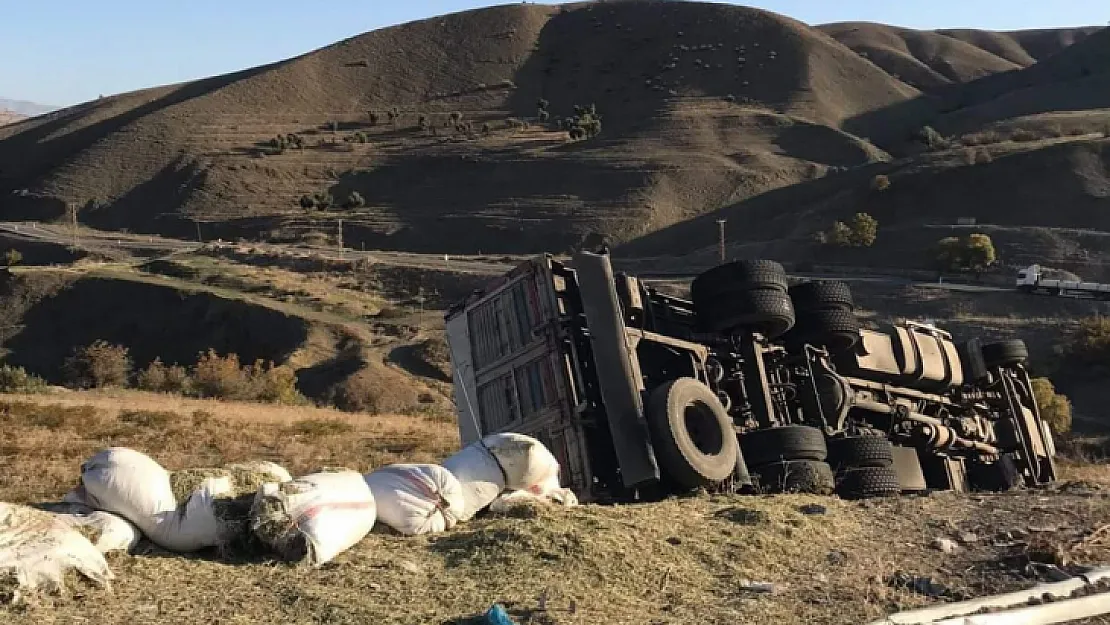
435 125
8 117
701 104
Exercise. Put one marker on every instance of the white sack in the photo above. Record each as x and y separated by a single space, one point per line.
195 524
134 486
417 498
130 484
479 476
37 548
526 461
315 517
106 531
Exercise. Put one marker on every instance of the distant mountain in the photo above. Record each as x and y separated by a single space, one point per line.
24 108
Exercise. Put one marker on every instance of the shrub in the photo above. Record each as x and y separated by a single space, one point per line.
17 380
1091 342
931 138
543 116
157 377
373 117
323 201
354 200
840 234
974 252
98 365
585 124
307 202
880 183
486 129
422 122
275 384
221 377
12 258
1055 409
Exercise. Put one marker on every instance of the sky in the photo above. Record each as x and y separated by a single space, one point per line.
69 51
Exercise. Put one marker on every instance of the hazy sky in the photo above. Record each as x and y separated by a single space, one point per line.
68 51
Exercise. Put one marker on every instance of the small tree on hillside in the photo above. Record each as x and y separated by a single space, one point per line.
865 229
1055 409
373 117
12 258
974 252
98 365
931 138
880 183
840 235
354 200
323 201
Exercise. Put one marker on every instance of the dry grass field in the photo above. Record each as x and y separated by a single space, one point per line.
682 560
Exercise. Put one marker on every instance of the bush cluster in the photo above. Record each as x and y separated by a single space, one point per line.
213 376
861 231
974 252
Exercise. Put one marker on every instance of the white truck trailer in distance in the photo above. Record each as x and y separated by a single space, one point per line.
1032 280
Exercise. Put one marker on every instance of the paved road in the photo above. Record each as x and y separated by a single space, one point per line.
89 238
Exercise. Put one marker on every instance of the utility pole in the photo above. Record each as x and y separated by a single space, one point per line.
340 235
73 212
721 242
197 223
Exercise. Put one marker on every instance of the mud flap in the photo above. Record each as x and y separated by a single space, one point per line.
616 369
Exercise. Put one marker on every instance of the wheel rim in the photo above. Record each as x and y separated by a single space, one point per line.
701 424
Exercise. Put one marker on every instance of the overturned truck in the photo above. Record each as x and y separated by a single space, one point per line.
752 385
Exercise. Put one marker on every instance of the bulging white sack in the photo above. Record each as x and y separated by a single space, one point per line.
131 484
526 461
37 549
479 476
315 517
417 498
106 531
195 524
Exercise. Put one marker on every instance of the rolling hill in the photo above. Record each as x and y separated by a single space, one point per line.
705 108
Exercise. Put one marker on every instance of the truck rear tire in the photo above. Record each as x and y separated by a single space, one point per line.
860 451
837 330
764 310
692 434
796 476
998 477
867 482
789 442
822 295
1005 353
739 275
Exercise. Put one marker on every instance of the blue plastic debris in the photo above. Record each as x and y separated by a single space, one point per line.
496 615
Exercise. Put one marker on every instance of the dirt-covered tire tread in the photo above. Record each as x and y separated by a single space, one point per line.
796 476
867 482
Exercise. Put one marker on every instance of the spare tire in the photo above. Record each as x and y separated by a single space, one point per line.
796 476
821 295
738 276
692 434
767 311
789 442
1005 353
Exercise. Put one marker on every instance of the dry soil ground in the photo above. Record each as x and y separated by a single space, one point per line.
683 560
